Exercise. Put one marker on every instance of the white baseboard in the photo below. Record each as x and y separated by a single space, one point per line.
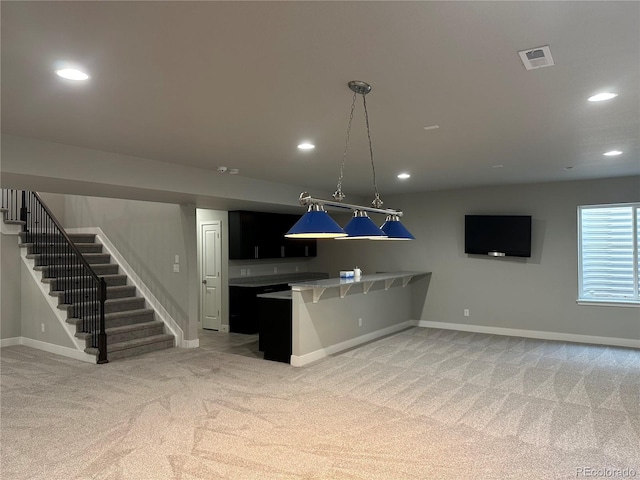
514 332
224 328
190 343
10 342
300 360
151 299
49 347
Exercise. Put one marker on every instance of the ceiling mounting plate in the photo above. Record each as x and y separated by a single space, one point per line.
359 87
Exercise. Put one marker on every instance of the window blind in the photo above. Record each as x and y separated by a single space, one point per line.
609 268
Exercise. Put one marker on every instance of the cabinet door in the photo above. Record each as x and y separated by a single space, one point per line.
243 228
257 235
243 310
268 239
297 247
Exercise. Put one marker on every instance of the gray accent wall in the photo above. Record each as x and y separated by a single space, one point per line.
537 293
36 312
10 287
148 235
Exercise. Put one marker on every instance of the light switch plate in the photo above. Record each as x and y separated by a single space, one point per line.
176 268
177 260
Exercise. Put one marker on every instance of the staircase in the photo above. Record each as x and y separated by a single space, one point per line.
131 327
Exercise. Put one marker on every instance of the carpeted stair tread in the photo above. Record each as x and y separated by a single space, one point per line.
113 291
125 329
99 268
159 342
129 313
140 312
91 258
108 301
75 237
135 326
45 247
111 279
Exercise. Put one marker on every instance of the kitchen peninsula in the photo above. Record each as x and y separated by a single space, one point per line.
332 315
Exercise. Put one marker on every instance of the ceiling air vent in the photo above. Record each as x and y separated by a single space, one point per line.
536 57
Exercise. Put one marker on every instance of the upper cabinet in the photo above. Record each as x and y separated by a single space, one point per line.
255 235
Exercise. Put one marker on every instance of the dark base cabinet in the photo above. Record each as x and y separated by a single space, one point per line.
275 329
243 307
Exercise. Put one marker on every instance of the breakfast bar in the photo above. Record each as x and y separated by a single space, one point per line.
332 315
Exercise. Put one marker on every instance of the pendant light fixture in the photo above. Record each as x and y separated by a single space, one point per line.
316 223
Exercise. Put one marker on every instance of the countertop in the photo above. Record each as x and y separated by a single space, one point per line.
338 282
283 295
267 280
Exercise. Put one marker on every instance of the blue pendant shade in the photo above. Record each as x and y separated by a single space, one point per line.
395 230
361 227
316 223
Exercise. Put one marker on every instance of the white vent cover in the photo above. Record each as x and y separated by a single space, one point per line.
536 57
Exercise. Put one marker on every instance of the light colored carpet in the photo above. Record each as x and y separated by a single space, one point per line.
421 404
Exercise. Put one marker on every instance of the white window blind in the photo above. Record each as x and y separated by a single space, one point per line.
608 250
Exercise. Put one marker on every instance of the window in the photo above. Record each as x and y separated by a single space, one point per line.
608 237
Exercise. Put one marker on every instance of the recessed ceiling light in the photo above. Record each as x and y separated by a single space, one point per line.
72 74
600 97
612 153
306 146
404 176
497 166
432 127
234 171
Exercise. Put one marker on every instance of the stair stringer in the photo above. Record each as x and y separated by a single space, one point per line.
143 290
60 315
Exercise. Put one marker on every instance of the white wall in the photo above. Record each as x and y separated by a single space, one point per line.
538 293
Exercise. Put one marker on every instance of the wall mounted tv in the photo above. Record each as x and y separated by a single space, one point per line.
498 235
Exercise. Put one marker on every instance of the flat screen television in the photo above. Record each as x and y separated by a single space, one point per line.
498 235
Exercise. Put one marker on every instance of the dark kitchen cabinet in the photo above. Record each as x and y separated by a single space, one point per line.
275 329
257 235
244 309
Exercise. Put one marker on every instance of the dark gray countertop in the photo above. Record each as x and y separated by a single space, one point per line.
266 280
283 295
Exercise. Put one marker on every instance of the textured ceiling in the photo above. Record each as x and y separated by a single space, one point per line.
240 84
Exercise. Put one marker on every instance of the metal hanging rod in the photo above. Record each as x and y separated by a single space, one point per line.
306 200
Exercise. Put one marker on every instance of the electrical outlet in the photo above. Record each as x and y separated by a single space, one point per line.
359 322
243 272
177 259
176 267
42 327
466 312
248 271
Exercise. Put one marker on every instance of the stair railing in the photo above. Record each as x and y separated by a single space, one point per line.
12 201
81 285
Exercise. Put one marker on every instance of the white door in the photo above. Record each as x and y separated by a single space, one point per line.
211 289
